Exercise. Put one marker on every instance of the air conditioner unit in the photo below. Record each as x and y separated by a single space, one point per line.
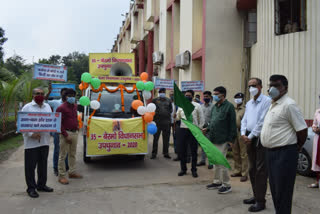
183 60
157 58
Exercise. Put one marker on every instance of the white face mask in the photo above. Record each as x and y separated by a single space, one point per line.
274 92
238 100
253 91
162 94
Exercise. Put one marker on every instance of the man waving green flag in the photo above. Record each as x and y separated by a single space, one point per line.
214 155
181 101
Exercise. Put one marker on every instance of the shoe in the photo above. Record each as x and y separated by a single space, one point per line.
194 174
153 157
45 189
182 173
224 189
257 207
210 166
75 175
236 175
63 181
249 201
33 193
55 172
176 159
167 156
243 178
201 163
214 186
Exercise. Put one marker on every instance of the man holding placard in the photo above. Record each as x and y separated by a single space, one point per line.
36 146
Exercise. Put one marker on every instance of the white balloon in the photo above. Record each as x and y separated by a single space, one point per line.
94 104
146 95
151 107
141 110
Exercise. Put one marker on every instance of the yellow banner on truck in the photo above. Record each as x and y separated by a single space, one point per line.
100 64
116 136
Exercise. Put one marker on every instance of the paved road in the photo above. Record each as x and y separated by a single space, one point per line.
125 185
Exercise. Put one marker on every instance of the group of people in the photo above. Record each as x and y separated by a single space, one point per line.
36 144
265 135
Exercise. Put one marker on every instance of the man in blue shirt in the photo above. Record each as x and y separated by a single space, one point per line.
251 125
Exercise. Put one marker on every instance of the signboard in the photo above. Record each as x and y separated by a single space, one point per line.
192 85
119 79
56 88
120 136
50 72
164 83
100 64
39 122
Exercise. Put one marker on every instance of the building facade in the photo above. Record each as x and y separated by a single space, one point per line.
227 42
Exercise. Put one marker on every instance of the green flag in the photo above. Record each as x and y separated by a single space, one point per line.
213 154
181 101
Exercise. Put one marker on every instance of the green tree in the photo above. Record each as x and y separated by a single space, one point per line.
2 41
17 65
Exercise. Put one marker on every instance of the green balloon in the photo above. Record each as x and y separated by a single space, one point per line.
86 77
84 101
95 82
148 86
140 85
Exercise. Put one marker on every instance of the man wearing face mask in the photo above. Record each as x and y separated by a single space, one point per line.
222 131
283 134
68 137
163 121
36 148
186 139
239 149
206 108
251 125
54 104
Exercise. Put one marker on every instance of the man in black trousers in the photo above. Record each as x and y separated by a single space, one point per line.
36 149
251 125
283 134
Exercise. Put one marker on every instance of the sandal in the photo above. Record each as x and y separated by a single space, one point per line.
314 185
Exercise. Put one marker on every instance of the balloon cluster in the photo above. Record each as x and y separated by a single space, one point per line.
148 111
87 79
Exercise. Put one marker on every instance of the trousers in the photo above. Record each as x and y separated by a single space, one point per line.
36 158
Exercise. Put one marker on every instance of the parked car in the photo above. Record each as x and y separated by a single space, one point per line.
305 156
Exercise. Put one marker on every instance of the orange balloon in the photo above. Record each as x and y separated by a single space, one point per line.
144 76
80 86
136 103
153 113
148 117
85 85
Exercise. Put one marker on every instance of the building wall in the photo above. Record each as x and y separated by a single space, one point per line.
224 46
295 55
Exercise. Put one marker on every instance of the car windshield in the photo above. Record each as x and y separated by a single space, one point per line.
111 102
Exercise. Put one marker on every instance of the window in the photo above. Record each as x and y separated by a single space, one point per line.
290 16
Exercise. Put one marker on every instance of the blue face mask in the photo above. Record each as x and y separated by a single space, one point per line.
189 98
71 100
207 100
216 98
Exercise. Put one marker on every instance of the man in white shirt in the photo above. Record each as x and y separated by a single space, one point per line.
283 134
186 139
36 146
251 125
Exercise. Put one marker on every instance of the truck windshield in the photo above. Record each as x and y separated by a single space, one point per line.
111 102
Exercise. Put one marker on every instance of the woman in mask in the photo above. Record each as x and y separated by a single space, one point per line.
316 148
